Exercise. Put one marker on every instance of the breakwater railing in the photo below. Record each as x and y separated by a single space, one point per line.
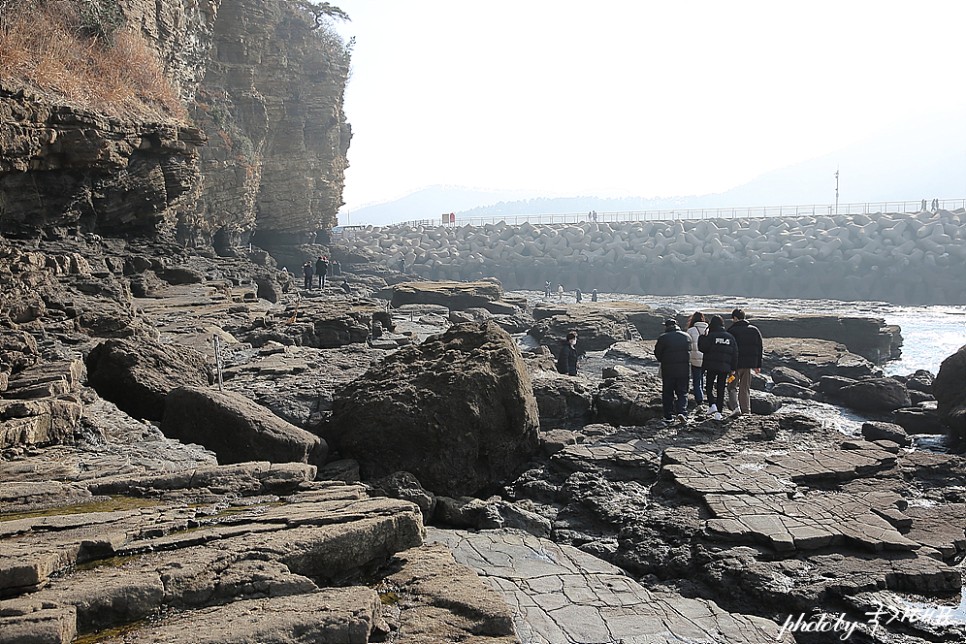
674 214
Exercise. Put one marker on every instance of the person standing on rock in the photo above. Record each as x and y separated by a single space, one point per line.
593 295
307 274
578 295
719 357
321 268
750 350
546 289
560 291
567 359
696 328
673 351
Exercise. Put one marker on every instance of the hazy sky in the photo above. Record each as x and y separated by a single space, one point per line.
631 98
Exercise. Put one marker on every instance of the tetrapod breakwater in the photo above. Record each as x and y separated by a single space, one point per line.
917 258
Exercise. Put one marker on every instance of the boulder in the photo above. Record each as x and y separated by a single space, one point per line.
764 403
457 411
563 401
875 395
816 358
629 401
452 295
920 381
596 329
787 374
788 390
137 375
920 419
237 429
870 338
949 388
876 431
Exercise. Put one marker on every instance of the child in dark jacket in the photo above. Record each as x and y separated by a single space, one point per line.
720 358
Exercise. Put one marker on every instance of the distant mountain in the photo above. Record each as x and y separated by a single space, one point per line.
908 162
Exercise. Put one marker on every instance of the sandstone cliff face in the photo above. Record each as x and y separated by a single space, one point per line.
271 103
264 152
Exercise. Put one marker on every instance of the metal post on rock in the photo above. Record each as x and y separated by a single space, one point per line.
216 342
836 191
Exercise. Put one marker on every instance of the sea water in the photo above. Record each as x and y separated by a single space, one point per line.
930 333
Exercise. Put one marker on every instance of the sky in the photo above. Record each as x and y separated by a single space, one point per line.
616 98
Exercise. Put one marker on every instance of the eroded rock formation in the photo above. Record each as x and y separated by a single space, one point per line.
262 153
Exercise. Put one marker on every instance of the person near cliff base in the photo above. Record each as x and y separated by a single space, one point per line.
696 328
750 350
321 268
673 351
567 358
307 274
719 357
578 295
593 295
560 291
546 288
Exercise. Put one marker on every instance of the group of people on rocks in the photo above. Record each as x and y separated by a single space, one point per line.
578 294
711 360
708 359
319 270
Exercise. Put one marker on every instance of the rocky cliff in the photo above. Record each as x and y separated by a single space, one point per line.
261 152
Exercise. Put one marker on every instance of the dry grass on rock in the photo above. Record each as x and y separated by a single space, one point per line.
57 49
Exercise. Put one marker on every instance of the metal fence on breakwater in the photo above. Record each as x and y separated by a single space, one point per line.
673 214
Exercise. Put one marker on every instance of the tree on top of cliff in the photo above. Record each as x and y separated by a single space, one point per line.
321 11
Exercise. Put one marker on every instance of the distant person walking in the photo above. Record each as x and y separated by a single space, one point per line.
560 291
719 357
307 274
673 351
567 358
321 268
696 328
578 295
750 350
546 289
593 295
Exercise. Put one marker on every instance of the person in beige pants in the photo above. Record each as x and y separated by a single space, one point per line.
750 351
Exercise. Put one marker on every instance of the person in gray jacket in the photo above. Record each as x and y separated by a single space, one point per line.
673 351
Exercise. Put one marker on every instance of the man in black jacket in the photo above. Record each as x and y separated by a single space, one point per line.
720 358
749 341
567 359
673 351
321 268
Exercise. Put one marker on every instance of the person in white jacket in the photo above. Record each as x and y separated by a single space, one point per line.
696 328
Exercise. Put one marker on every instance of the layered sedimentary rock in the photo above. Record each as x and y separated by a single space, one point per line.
900 258
271 104
263 149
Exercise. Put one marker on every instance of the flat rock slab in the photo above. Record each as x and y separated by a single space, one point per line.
562 595
337 616
713 471
808 523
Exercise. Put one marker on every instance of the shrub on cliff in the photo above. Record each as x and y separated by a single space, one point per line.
79 52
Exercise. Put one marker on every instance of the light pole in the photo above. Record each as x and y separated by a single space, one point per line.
836 191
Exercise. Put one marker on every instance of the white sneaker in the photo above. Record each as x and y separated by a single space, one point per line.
713 409
717 415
